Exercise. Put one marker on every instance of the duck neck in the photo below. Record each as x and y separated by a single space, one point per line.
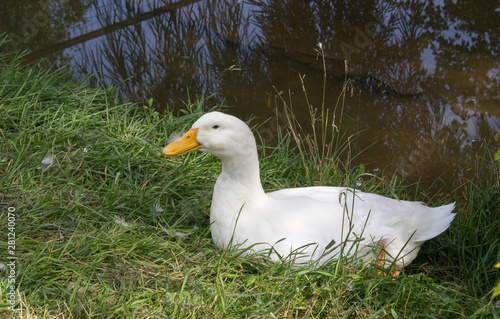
242 173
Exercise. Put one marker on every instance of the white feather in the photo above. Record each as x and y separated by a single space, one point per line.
176 137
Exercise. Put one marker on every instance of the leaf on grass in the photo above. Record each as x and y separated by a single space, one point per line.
497 155
496 291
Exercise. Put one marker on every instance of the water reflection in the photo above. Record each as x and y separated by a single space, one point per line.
425 74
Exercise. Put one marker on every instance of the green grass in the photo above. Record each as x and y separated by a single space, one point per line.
91 241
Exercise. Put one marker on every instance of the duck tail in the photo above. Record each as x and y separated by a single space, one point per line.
432 221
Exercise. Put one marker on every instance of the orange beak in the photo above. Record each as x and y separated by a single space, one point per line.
186 144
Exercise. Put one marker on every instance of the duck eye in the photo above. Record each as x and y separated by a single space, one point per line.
215 127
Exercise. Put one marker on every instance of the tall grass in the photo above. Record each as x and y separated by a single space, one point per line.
476 239
321 145
110 228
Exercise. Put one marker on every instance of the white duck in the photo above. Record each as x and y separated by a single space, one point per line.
313 223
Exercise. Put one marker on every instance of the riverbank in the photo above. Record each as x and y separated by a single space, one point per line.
101 224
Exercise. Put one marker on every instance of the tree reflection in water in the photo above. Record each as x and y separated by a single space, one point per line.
425 75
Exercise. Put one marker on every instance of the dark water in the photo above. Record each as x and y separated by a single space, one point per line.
424 76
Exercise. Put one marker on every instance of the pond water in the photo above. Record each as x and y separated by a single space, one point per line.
423 77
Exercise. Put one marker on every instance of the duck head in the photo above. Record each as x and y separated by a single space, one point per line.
219 134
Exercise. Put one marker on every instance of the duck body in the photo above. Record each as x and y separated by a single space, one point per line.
308 223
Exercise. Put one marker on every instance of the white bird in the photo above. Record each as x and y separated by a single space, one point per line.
305 224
